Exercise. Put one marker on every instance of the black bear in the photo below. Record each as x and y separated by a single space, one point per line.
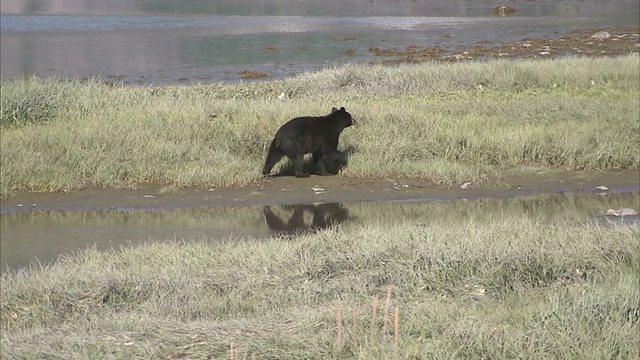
317 135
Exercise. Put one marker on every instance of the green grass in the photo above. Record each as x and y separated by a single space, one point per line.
500 287
445 122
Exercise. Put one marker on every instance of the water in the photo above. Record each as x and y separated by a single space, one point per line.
45 235
201 41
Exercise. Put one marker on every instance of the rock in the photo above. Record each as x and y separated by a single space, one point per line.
621 212
504 10
602 188
466 185
601 35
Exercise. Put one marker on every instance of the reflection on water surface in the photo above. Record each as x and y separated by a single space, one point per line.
47 234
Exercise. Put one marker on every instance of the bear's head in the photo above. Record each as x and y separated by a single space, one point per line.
342 117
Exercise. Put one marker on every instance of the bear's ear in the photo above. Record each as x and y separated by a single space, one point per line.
342 109
333 109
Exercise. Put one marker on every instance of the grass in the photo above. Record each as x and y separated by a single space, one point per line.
499 287
449 123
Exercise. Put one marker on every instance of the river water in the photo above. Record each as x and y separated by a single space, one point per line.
202 41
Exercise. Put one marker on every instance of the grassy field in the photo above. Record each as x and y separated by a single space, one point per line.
449 122
499 287
512 280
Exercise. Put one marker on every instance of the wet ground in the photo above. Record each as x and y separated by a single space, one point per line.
287 190
591 42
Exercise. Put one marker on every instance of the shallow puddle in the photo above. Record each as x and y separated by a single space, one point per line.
44 235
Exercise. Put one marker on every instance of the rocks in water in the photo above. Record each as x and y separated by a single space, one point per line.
621 212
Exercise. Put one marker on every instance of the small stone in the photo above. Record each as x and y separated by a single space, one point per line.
544 53
466 185
601 35
504 10
621 212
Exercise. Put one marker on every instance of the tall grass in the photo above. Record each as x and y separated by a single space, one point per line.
444 122
512 288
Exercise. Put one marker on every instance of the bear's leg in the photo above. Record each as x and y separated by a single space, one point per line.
298 163
274 156
318 161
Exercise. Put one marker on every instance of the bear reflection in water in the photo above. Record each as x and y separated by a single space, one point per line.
323 216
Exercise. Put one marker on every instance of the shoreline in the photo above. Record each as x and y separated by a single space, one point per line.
288 190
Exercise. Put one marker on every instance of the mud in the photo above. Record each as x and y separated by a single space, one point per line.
287 190
608 42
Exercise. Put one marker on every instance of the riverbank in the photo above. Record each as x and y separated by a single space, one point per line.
288 190
443 123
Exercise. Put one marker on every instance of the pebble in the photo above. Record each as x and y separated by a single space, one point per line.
601 35
621 212
466 185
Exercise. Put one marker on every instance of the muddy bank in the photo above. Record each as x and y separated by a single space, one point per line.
316 189
593 42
